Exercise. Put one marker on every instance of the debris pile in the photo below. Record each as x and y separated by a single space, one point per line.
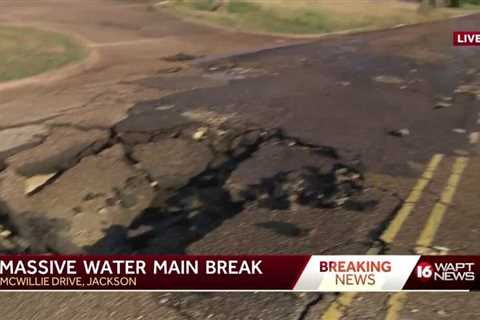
231 71
307 187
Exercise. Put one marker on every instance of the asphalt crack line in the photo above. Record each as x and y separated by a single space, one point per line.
29 123
306 310
425 240
336 310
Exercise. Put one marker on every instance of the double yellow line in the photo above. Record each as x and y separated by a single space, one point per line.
425 240
337 309
389 235
436 216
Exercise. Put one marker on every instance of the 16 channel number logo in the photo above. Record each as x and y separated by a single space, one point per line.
424 271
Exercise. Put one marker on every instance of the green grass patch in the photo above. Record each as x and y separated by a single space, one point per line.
474 2
307 16
253 16
204 5
242 7
25 52
470 4
302 22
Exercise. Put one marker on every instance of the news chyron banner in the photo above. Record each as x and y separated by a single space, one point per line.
245 273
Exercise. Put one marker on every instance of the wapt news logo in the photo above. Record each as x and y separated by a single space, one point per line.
448 271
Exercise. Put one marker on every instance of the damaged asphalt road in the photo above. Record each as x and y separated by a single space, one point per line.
151 189
262 153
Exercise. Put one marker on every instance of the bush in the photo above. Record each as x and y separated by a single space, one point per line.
469 1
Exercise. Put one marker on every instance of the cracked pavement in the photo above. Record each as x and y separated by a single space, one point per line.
278 151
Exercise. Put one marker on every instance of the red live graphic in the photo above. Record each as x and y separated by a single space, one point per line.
466 38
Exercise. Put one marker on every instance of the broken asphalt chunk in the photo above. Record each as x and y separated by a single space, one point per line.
400 132
140 232
442 105
172 162
81 187
17 139
459 130
170 70
200 134
34 183
179 57
389 79
61 150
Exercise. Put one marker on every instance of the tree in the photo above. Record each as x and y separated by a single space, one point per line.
426 4
455 3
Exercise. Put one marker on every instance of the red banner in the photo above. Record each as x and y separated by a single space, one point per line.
248 273
150 272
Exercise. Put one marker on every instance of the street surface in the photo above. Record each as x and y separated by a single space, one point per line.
176 142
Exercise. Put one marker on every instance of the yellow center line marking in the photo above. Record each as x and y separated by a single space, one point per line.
436 216
395 305
338 307
394 227
397 301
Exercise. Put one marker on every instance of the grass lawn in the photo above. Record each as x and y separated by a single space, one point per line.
26 52
310 16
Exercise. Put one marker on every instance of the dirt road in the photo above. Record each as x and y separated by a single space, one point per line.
314 148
